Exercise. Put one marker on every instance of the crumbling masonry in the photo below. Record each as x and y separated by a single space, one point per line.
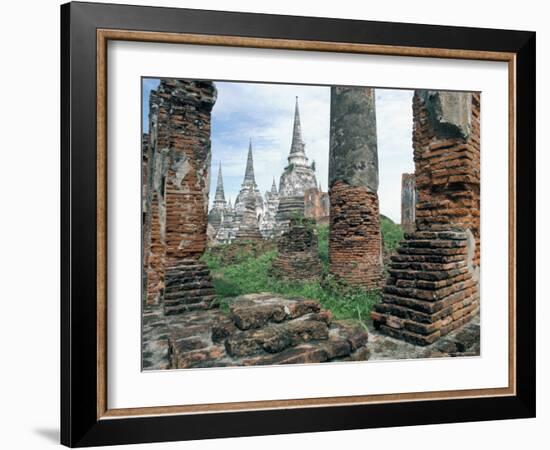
355 242
298 257
177 196
182 327
433 284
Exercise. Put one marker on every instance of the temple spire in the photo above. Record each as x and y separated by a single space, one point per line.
297 155
297 142
219 199
249 173
274 187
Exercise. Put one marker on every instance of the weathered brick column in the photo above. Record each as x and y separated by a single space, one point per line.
145 205
433 284
298 256
355 242
180 185
153 203
408 202
446 152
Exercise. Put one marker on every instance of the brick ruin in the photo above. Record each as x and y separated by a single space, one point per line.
432 288
433 284
408 202
260 329
178 176
298 256
153 208
355 241
182 325
446 141
317 205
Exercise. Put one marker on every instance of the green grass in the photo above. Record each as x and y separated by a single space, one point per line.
391 234
251 274
322 236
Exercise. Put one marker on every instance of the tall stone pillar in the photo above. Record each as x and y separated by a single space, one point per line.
181 180
433 284
355 241
408 202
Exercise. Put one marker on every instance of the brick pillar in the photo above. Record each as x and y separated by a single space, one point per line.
408 202
433 284
355 241
446 139
298 255
145 223
179 198
153 204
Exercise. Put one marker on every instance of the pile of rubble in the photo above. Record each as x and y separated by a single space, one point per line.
259 329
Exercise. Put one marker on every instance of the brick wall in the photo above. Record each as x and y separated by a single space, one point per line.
432 287
298 255
177 194
355 239
316 205
447 172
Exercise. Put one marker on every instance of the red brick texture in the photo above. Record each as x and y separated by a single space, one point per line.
155 257
430 290
447 175
179 183
316 205
298 257
355 241
432 287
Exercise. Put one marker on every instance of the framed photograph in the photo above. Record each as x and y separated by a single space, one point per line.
276 224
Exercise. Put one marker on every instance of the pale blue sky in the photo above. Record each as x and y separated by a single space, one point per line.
265 113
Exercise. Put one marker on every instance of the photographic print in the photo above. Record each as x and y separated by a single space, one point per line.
272 203
294 224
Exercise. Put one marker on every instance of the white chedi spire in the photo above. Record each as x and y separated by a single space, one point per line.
274 188
297 155
219 199
249 178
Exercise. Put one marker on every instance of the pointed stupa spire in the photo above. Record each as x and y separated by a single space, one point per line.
297 142
297 156
274 187
249 173
219 199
